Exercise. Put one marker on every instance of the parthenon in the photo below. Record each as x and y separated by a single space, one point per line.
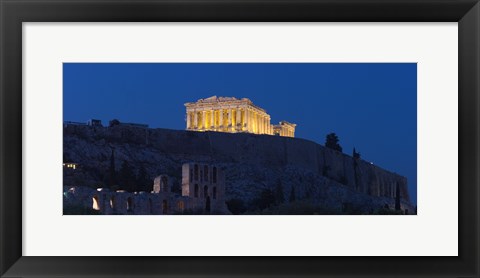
229 114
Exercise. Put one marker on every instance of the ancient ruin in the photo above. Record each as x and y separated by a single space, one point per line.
229 114
203 192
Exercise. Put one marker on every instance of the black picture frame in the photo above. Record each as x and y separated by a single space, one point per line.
15 12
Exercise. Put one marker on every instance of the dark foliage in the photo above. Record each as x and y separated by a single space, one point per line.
298 208
236 206
126 177
355 154
265 200
114 122
143 181
78 210
332 142
176 187
112 177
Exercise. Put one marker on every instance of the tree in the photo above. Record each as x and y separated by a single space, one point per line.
265 200
113 122
127 178
236 206
332 142
355 154
143 180
111 171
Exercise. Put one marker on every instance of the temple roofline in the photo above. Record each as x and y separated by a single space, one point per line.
216 99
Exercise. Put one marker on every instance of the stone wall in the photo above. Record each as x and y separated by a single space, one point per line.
108 202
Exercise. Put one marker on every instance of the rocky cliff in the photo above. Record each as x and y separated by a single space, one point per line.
252 163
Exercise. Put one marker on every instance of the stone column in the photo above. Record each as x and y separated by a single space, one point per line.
252 116
188 119
259 120
220 116
239 118
212 119
247 120
195 119
264 125
242 118
230 111
204 120
252 113
259 123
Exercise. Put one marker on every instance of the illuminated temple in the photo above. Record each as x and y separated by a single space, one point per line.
229 114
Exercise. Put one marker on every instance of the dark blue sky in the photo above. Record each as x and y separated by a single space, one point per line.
372 107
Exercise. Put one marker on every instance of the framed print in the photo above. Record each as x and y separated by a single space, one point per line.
239 138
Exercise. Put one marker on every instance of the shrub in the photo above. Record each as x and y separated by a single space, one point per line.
236 206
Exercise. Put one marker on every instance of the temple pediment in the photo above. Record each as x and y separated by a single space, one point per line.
217 99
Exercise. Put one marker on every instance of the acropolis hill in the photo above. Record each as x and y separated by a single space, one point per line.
250 162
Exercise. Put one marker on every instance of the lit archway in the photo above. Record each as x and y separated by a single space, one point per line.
112 202
95 203
164 184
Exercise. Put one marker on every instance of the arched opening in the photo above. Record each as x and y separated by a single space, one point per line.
195 191
129 204
96 203
205 173
214 174
214 193
164 184
207 205
181 206
164 207
112 202
195 172
205 191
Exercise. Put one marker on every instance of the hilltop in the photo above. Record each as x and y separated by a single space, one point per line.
252 164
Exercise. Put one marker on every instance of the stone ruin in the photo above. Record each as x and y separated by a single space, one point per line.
203 192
